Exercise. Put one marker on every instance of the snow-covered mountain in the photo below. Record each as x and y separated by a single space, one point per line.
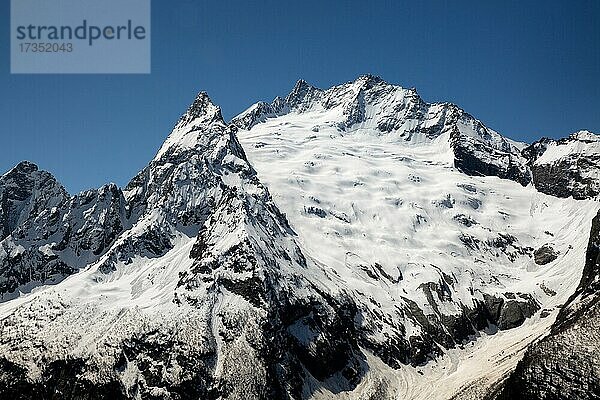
46 234
371 104
355 242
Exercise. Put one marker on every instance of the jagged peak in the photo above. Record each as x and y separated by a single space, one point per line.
110 187
369 80
278 102
413 92
201 123
201 108
26 171
301 83
24 167
585 135
257 112
301 94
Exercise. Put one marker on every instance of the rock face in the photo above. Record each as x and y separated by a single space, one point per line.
566 167
545 255
24 191
474 156
193 282
565 364
382 148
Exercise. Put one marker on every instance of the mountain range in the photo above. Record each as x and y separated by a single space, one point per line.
349 243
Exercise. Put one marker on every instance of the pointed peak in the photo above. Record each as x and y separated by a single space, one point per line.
585 135
26 175
23 168
202 108
300 88
302 94
369 80
301 83
26 167
201 123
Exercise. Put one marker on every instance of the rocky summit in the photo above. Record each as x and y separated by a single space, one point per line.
355 242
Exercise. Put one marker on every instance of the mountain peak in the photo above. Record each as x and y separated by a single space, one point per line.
300 83
198 126
24 167
369 80
202 108
302 94
585 135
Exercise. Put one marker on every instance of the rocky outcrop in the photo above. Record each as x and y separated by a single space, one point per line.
259 112
545 255
566 167
25 191
479 157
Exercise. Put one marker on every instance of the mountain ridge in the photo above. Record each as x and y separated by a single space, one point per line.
197 248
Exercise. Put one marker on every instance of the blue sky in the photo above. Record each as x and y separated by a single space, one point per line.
525 68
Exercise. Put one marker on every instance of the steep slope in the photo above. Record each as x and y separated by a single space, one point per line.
23 191
433 258
565 364
205 296
402 245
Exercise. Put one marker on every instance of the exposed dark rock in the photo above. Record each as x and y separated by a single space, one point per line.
571 174
319 212
477 157
447 202
60 380
259 113
545 255
514 313
474 203
25 192
508 314
50 235
467 187
465 220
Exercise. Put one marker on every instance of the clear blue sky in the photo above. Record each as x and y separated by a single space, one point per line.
525 68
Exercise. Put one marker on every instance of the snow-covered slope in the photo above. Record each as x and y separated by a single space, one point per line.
439 254
565 364
393 253
371 104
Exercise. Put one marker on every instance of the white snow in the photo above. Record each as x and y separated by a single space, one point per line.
377 214
584 142
361 197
